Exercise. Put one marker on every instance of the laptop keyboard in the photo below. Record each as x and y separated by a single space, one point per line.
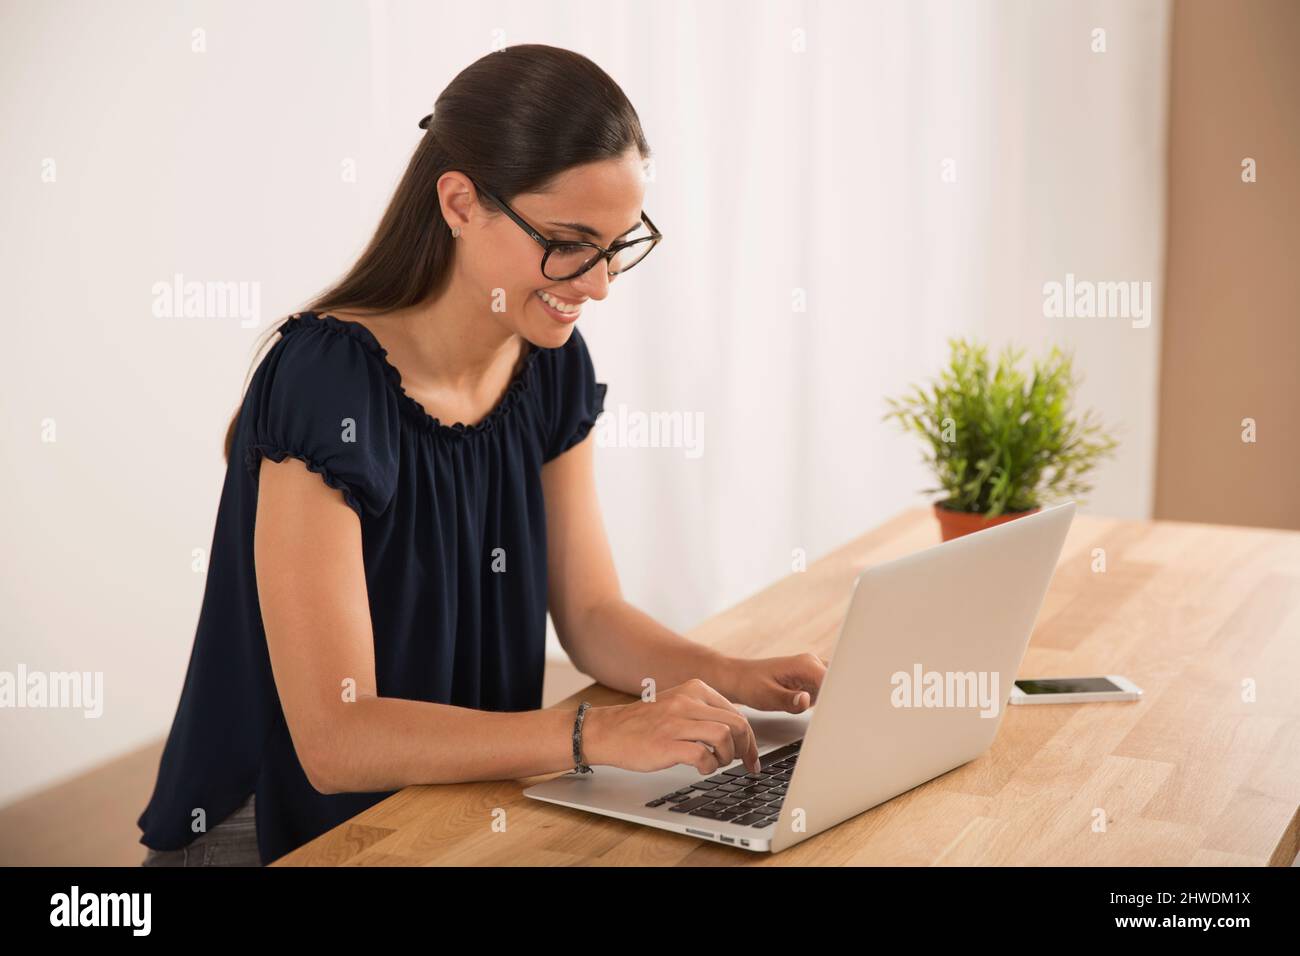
736 795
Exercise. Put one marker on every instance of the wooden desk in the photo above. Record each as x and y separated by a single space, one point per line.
1193 774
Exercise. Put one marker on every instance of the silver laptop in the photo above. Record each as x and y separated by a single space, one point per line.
917 685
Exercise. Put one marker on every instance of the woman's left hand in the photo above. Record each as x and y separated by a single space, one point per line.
776 683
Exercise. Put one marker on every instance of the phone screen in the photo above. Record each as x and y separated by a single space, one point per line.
1066 685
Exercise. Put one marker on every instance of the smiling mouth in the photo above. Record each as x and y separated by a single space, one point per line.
559 308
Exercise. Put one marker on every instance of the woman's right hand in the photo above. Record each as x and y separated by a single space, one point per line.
678 727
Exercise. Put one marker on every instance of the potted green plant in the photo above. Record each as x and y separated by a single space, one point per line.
1001 443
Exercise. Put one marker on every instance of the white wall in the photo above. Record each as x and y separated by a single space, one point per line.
775 170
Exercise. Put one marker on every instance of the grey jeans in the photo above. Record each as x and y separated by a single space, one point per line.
232 842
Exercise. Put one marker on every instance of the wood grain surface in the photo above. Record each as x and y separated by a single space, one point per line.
1205 769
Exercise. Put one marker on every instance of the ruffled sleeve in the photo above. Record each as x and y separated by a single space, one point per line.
573 398
322 395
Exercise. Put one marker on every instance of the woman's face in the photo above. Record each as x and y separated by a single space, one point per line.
504 264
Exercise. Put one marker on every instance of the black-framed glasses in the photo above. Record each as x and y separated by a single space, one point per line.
567 259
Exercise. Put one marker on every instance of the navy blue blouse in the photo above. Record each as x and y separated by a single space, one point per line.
435 503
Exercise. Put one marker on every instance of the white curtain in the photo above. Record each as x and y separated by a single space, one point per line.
800 151
807 152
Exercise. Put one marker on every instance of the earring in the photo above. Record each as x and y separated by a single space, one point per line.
455 232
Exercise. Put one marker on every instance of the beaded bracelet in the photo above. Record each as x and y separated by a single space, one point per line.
579 766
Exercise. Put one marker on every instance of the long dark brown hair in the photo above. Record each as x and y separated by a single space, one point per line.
512 120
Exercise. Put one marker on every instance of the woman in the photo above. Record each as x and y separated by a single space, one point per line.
409 485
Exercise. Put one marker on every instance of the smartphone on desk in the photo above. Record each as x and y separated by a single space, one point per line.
1074 690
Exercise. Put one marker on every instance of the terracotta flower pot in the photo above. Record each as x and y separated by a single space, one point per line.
954 524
